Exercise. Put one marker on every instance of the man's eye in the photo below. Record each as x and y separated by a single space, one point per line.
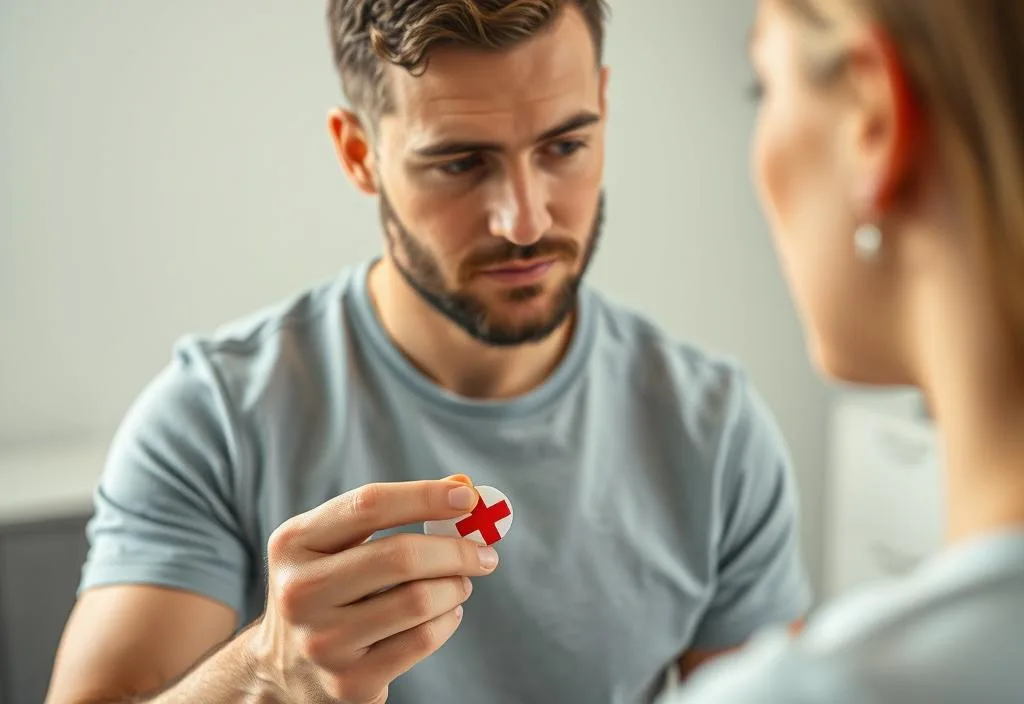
457 167
566 147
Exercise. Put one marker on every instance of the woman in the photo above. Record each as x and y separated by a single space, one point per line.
890 160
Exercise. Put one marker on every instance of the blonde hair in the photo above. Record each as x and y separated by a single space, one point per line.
964 61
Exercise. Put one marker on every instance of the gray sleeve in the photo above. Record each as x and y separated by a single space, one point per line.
164 513
773 669
760 574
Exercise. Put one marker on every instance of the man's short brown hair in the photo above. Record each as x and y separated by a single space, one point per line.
366 35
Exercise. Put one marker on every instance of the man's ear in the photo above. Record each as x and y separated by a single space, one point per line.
606 75
354 149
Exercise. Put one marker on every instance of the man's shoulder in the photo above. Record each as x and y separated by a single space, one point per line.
660 363
293 329
300 316
706 400
260 363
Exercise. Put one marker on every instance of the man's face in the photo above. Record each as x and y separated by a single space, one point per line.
489 176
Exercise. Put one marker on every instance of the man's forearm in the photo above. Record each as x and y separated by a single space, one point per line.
228 675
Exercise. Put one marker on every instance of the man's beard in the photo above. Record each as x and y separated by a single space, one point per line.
421 271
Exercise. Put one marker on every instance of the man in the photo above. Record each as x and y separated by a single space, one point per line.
265 497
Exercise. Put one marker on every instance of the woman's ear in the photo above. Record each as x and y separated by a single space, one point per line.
354 149
888 124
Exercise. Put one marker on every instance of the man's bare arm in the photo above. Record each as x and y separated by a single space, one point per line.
344 617
693 660
125 643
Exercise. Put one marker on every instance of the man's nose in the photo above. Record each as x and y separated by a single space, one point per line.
520 211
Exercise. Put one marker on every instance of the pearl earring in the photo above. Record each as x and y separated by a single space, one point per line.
868 242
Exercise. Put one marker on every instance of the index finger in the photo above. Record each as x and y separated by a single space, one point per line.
351 518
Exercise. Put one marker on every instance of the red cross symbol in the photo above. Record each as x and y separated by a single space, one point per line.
483 518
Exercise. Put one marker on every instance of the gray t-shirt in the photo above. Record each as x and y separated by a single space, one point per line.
654 505
952 633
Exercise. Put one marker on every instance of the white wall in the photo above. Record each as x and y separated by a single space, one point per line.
165 167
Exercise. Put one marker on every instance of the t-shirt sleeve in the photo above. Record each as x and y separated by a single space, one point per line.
760 579
164 512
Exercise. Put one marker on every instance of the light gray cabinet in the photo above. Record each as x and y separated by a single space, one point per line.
40 564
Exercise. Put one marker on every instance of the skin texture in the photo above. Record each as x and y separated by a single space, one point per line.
345 616
818 161
828 158
524 186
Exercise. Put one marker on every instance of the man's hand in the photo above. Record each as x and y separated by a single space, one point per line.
344 616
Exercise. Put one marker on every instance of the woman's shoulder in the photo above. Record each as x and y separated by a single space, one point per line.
950 632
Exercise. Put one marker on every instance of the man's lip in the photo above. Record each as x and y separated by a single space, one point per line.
518 266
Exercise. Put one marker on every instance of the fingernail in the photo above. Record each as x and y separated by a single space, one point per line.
488 557
461 478
467 585
458 612
462 498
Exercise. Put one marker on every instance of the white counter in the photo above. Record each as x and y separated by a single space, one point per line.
47 484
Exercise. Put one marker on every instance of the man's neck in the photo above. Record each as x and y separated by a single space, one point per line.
450 357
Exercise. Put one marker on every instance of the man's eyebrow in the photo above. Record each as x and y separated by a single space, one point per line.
576 122
453 147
